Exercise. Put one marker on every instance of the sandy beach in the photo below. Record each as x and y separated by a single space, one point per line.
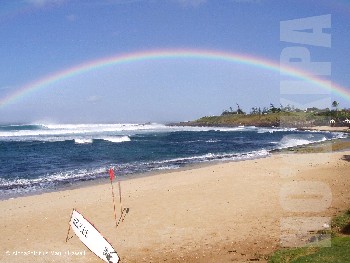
327 128
225 212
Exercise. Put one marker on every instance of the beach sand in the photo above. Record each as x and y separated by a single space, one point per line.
327 128
225 212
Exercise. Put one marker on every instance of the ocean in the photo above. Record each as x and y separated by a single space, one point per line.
37 157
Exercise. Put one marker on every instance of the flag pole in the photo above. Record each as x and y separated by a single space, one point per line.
120 200
111 177
69 225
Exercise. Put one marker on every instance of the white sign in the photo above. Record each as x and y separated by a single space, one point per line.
90 236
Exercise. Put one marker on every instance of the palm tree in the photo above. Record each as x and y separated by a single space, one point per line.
239 110
335 104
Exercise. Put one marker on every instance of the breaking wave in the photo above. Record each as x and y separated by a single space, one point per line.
289 141
116 139
45 157
82 141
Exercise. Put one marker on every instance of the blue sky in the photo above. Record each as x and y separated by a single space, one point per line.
40 37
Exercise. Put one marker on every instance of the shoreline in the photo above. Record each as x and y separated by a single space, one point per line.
228 211
326 128
185 167
105 180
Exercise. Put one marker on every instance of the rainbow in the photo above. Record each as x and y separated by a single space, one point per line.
262 63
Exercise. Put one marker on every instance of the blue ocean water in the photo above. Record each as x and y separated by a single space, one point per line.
34 158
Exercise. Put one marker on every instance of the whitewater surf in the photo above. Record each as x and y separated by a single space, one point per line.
45 157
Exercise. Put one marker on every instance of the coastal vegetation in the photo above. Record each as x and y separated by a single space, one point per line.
339 251
276 116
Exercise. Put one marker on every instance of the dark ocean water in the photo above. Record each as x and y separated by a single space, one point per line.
46 157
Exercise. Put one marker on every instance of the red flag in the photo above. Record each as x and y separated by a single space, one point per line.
111 174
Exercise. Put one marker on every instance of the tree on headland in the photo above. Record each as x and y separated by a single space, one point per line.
259 116
341 114
335 104
231 111
254 111
239 110
273 109
287 108
265 110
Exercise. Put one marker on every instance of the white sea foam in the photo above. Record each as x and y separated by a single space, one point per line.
62 132
292 141
42 181
212 141
341 135
272 130
169 167
117 139
83 140
81 129
222 156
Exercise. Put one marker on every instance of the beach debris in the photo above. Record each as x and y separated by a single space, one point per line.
92 238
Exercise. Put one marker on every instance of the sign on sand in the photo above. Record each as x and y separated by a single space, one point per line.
92 238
